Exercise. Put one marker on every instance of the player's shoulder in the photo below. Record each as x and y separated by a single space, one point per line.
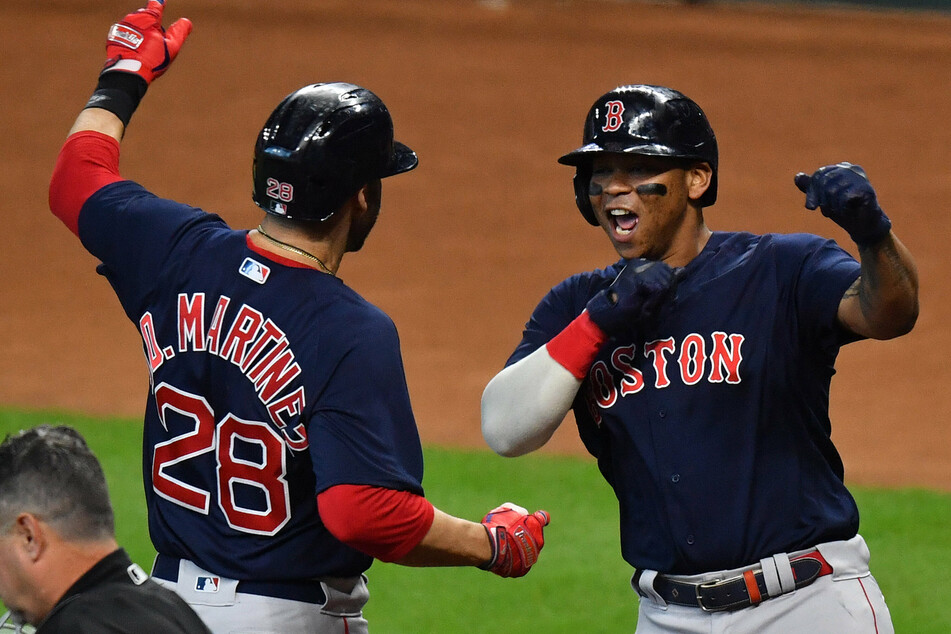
801 247
335 292
793 257
788 244
344 310
795 240
126 194
149 213
569 297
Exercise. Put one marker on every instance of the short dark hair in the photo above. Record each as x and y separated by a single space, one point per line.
51 472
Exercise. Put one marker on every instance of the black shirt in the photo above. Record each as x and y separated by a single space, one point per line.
115 595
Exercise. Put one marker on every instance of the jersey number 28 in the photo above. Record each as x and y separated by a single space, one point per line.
267 475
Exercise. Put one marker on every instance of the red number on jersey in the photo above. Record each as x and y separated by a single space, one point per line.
266 474
182 447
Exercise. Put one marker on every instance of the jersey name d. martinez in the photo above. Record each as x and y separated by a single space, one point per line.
260 374
701 420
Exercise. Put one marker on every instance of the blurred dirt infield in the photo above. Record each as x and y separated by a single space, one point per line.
489 94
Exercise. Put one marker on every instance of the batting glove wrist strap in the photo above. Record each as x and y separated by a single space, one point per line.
119 93
499 545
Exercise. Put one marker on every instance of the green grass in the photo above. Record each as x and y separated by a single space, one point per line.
581 583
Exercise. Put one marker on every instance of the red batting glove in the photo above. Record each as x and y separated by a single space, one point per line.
139 45
516 537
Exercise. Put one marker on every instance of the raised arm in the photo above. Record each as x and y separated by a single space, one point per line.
138 50
883 301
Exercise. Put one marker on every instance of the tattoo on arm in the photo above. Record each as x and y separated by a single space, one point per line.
887 277
886 263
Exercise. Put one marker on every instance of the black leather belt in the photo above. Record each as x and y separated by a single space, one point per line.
734 593
309 591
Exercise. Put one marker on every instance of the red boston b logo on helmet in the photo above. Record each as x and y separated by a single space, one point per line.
612 116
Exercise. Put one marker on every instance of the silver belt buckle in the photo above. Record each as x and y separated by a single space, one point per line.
716 583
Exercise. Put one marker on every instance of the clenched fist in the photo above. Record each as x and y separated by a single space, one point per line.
516 537
843 193
636 295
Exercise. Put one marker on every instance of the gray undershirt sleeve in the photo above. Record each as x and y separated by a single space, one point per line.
524 404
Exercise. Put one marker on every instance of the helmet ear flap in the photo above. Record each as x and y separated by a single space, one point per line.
582 183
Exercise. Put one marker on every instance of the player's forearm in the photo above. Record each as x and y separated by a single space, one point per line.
524 404
99 120
451 541
405 528
887 291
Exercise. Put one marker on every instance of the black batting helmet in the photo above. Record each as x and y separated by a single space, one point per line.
645 120
320 146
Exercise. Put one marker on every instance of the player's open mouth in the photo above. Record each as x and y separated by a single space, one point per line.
624 221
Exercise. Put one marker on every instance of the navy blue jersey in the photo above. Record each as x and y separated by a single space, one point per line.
269 383
712 424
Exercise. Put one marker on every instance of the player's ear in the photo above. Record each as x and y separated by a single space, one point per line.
360 199
351 208
370 195
31 535
698 177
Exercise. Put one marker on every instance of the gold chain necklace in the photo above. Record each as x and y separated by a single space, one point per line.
293 249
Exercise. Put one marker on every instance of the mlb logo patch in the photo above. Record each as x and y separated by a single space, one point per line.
254 270
207 584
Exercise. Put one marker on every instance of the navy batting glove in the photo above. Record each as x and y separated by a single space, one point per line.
635 296
843 193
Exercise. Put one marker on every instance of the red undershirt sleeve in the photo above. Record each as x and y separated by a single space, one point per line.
383 523
88 161
576 347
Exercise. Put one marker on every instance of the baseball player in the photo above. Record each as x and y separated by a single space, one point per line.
698 369
280 454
